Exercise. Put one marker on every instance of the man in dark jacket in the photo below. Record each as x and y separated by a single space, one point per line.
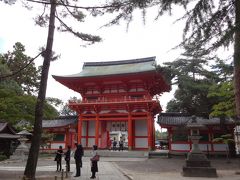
68 158
78 159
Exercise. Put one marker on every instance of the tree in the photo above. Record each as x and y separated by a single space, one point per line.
29 77
193 79
15 104
202 90
66 111
225 106
223 90
30 169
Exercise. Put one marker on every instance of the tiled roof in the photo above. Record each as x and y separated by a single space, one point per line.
8 136
6 128
59 122
177 119
91 69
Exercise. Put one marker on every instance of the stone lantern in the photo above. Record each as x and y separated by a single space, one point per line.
22 150
195 127
197 164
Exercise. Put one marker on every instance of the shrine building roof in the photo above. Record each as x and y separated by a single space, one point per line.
59 122
7 132
105 68
178 119
6 128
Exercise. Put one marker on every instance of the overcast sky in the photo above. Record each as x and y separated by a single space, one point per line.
155 38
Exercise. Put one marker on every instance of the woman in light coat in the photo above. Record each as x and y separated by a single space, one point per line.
94 162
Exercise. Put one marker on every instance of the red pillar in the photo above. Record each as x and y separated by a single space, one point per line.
67 137
170 134
79 139
130 132
150 131
211 138
153 143
97 129
87 128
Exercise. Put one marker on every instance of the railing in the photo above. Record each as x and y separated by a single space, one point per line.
112 100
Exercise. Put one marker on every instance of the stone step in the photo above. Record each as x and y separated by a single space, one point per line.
199 172
107 153
155 154
199 163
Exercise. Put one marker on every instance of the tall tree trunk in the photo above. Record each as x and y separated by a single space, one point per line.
237 59
30 169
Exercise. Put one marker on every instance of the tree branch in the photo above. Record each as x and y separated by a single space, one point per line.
84 37
80 7
16 72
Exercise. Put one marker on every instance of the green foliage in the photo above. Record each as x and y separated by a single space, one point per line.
46 138
54 101
29 77
225 106
66 111
3 157
194 80
161 135
203 90
16 101
15 108
226 139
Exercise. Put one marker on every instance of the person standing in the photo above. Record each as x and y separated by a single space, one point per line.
68 158
79 152
109 144
94 162
114 144
121 144
58 158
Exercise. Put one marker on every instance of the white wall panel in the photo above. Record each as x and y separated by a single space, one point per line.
182 147
91 128
205 147
83 142
56 145
219 147
84 130
141 142
91 142
140 128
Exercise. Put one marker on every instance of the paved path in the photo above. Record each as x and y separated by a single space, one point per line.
122 169
108 170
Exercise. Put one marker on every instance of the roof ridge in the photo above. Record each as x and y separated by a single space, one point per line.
119 62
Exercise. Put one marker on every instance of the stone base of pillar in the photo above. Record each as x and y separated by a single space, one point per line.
129 148
150 148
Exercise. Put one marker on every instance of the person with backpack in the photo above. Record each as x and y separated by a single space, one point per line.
68 158
94 162
114 144
79 152
58 158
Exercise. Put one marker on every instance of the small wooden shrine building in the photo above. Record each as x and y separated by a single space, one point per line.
116 95
8 138
178 135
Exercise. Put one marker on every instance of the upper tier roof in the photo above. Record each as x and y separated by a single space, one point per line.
91 69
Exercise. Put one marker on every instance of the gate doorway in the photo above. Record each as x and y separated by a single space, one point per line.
116 132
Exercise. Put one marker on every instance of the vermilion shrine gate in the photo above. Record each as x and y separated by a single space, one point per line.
116 93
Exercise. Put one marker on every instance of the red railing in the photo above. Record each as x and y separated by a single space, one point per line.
112 100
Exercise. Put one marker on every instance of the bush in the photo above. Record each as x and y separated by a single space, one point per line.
3 157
